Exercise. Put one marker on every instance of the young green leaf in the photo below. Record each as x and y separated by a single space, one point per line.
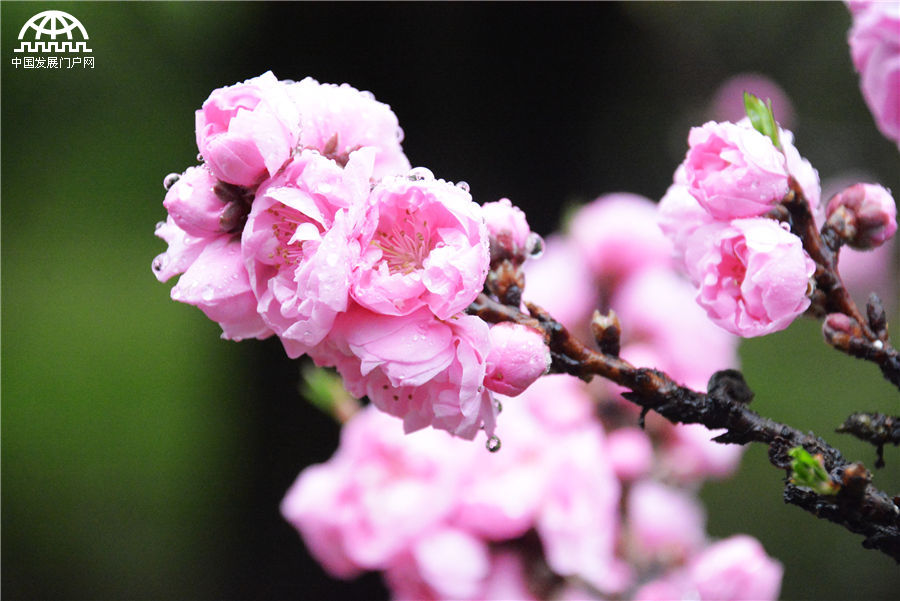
807 471
761 117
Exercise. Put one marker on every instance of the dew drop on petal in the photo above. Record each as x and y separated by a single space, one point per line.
207 294
498 406
418 174
399 133
199 157
534 245
170 180
159 224
158 263
464 186
493 444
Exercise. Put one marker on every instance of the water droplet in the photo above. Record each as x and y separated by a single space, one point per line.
879 345
534 246
207 294
159 224
199 157
170 180
492 444
418 174
158 263
498 406
464 186
399 133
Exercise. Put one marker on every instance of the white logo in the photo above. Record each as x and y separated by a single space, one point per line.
47 27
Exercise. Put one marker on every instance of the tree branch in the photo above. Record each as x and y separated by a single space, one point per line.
858 506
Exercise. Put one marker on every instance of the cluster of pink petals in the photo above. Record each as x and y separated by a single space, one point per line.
752 276
305 221
875 49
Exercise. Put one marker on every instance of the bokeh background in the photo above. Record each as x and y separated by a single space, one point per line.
144 458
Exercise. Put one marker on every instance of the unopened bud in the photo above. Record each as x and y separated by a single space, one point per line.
517 358
607 332
510 235
864 215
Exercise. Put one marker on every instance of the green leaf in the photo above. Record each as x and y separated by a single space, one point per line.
762 117
807 471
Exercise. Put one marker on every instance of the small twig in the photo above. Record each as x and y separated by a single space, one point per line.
858 506
874 428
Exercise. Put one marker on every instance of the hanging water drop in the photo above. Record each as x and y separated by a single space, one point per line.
498 406
464 186
159 224
199 157
157 264
418 174
534 246
170 180
493 444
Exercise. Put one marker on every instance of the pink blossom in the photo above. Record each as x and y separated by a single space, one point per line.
561 282
379 494
618 235
736 569
338 119
247 131
664 522
875 48
214 279
451 563
800 169
429 248
752 275
734 171
517 358
425 370
299 245
868 211
510 234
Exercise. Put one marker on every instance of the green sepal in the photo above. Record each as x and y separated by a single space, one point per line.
807 471
322 387
762 118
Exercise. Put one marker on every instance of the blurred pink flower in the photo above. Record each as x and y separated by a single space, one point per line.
734 171
618 235
428 246
630 453
728 100
752 275
338 119
664 522
379 494
561 282
736 569
247 131
299 244
517 358
875 49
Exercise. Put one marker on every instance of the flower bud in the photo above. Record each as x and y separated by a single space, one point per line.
865 215
517 358
195 205
511 236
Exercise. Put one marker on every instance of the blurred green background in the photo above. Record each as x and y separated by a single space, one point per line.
142 457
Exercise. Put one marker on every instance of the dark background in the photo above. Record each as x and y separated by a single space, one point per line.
142 457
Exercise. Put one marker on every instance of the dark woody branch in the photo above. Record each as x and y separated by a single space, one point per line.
858 506
861 336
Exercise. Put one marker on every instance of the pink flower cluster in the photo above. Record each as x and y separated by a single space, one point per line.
751 274
579 503
875 49
305 221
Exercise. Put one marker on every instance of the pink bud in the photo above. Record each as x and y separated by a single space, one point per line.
194 204
865 214
510 235
517 358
